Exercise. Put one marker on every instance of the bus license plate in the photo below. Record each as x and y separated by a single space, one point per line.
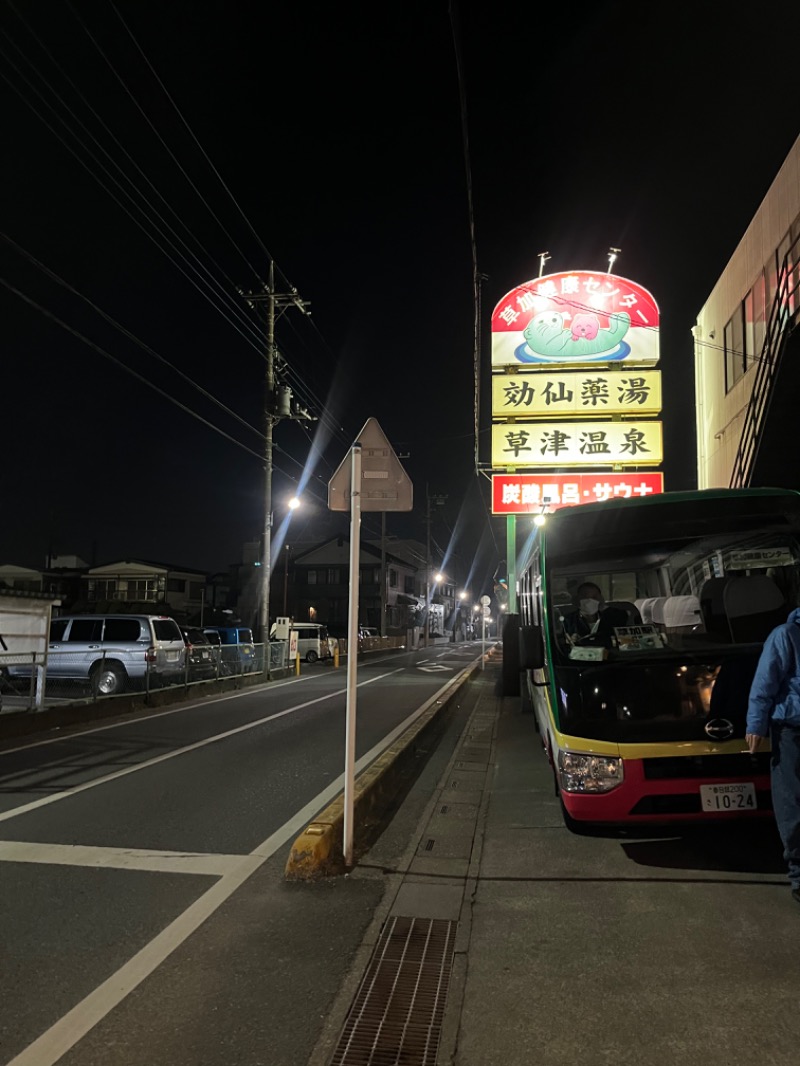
739 797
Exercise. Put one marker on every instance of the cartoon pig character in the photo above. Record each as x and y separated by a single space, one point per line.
584 326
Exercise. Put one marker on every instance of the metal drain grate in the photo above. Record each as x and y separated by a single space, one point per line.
396 1016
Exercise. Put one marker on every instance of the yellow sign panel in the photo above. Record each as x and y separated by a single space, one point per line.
567 394
553 444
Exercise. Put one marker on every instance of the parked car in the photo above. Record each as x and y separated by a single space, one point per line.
113 651
312 641
215 640
202 657
238 651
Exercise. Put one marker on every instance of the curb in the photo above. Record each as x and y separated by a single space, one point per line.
319 850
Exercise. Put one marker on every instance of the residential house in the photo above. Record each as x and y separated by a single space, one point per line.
136 585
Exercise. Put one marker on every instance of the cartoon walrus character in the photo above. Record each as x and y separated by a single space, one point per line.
546 334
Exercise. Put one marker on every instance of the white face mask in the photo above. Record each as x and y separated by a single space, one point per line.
590 607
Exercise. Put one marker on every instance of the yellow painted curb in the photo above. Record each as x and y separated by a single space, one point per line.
318 850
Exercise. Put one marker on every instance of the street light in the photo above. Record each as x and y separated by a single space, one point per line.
293 504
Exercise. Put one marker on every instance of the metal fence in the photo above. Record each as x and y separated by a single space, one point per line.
30 681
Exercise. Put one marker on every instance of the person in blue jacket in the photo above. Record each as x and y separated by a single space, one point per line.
774 710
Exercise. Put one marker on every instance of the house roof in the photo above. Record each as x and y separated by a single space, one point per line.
336 552
141 566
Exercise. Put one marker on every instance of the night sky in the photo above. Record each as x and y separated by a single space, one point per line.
157 155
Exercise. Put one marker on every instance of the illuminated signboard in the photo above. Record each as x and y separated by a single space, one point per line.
576 317
524 444
571 393
527 493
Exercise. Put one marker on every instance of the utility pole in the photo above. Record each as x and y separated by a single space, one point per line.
277 405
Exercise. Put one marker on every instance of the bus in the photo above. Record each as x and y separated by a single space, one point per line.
646 724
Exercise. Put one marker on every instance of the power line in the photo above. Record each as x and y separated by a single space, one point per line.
145 116
131 336
199 145
106 189
127 369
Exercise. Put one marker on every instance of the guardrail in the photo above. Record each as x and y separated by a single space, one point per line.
31 682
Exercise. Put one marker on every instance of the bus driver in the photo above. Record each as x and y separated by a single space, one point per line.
593 622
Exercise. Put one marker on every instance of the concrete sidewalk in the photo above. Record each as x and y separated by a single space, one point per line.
504 938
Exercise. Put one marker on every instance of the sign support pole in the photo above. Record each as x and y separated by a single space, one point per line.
369 478
352 652
511 562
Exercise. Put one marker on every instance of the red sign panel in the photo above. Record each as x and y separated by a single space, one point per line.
539 493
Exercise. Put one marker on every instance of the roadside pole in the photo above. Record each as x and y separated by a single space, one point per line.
485 601
352 652
369 478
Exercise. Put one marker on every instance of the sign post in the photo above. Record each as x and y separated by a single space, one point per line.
485 601
370 478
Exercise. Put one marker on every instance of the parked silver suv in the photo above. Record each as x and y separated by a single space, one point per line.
113 651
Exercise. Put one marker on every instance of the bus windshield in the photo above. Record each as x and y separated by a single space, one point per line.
685 607
692 595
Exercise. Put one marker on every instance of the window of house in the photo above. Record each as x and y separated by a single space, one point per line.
392 579
311 577
787 300
140 589
176 584
333 575
734 349
759 313
196 589
103 589
408 584
794 255
749 330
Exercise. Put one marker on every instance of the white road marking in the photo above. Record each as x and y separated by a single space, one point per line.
56 1041
149 717
169 862
433 668
44 801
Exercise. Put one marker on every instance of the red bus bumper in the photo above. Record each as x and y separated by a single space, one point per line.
638 799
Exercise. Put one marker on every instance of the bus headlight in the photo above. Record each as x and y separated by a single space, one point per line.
588 773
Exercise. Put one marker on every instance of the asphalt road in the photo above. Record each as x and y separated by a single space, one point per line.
119 842
145 919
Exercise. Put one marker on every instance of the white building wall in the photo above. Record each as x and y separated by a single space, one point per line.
720 416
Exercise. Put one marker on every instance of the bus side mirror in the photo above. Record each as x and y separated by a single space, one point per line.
531 648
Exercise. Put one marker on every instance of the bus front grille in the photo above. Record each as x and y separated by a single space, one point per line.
679 767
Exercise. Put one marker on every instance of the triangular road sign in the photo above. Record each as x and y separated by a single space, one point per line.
385 486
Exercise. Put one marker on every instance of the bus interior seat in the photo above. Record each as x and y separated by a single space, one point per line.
754 606
657 610
645 607
632 611
682 613
712 607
